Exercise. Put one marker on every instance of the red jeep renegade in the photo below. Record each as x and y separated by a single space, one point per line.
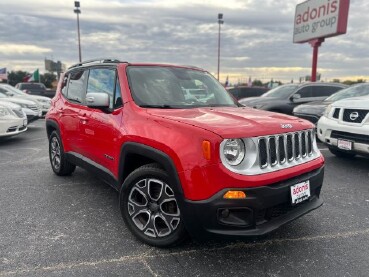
184 156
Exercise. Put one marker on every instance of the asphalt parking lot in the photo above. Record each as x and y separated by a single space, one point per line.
71 226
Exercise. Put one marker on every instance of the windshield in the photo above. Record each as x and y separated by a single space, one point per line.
281 92
353 91
13 89
172 87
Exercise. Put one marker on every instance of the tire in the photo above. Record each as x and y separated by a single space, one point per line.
149 207
341 154
58 161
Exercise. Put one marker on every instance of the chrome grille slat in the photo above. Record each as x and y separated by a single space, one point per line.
289 148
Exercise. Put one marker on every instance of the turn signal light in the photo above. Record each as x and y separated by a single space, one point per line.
234 194
206 149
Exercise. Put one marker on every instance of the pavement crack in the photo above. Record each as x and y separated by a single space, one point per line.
150 255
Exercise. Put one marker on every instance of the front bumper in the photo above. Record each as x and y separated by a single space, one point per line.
265 209
12 127
330 131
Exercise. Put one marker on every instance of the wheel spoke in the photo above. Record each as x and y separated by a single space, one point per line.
155 189
161 225
142 219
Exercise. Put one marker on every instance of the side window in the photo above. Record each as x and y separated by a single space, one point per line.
64 86
319 91
118 102
102 80
76 87
305 92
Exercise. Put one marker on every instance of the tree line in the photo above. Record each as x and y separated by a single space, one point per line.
15 77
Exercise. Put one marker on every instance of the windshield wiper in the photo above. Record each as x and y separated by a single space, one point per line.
158 106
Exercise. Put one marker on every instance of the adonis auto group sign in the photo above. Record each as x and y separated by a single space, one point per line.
320 19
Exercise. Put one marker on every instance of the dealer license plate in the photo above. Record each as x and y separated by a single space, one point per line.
300 192
344 144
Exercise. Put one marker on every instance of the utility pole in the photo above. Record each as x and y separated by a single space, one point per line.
220 22
78 11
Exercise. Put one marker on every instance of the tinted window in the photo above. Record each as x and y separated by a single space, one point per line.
76 87
234 92
64 85
102 80
305 92
118 102
281 92
31 86
319 91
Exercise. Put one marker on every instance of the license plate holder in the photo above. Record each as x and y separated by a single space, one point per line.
300 192
344 144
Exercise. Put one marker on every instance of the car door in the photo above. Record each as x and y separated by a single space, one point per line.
102 129
70 109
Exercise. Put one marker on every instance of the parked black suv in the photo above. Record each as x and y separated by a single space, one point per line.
241 92
285 98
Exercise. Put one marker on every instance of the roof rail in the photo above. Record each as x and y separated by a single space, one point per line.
97 60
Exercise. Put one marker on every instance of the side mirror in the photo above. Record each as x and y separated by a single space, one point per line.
97 100
8 93
295 97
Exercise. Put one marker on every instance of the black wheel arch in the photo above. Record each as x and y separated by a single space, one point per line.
133 155
51 126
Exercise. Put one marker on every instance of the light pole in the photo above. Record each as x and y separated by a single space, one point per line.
220 22
78 11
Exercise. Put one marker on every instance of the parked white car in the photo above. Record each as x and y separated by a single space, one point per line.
13 120
31 108
43 101
344 127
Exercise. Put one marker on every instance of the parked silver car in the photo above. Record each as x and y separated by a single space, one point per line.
30 108
43 101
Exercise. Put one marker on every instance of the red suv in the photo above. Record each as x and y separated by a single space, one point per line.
182 161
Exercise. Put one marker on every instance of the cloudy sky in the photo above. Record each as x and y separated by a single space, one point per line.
256 36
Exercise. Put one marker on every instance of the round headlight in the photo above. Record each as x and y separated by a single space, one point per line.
234 151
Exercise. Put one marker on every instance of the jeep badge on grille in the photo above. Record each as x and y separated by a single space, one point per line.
286 126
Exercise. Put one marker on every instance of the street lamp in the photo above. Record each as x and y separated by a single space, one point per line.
78 11
220 22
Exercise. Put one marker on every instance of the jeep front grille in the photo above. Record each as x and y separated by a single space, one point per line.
276 152
295 146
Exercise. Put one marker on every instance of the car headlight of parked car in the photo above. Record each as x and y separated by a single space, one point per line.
4 111
234 151
327 111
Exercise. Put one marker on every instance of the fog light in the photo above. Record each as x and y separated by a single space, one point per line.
234 194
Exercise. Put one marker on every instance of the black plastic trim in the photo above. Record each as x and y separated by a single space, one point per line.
154 154
93 167
51 123
201 217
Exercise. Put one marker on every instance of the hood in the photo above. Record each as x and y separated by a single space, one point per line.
316 107
252 101
355 102
233 122
10 105
18 101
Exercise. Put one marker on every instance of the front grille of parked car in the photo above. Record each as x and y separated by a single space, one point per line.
336 113
350 136
19 113
354 116
273 150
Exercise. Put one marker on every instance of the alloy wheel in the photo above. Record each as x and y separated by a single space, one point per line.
153 208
